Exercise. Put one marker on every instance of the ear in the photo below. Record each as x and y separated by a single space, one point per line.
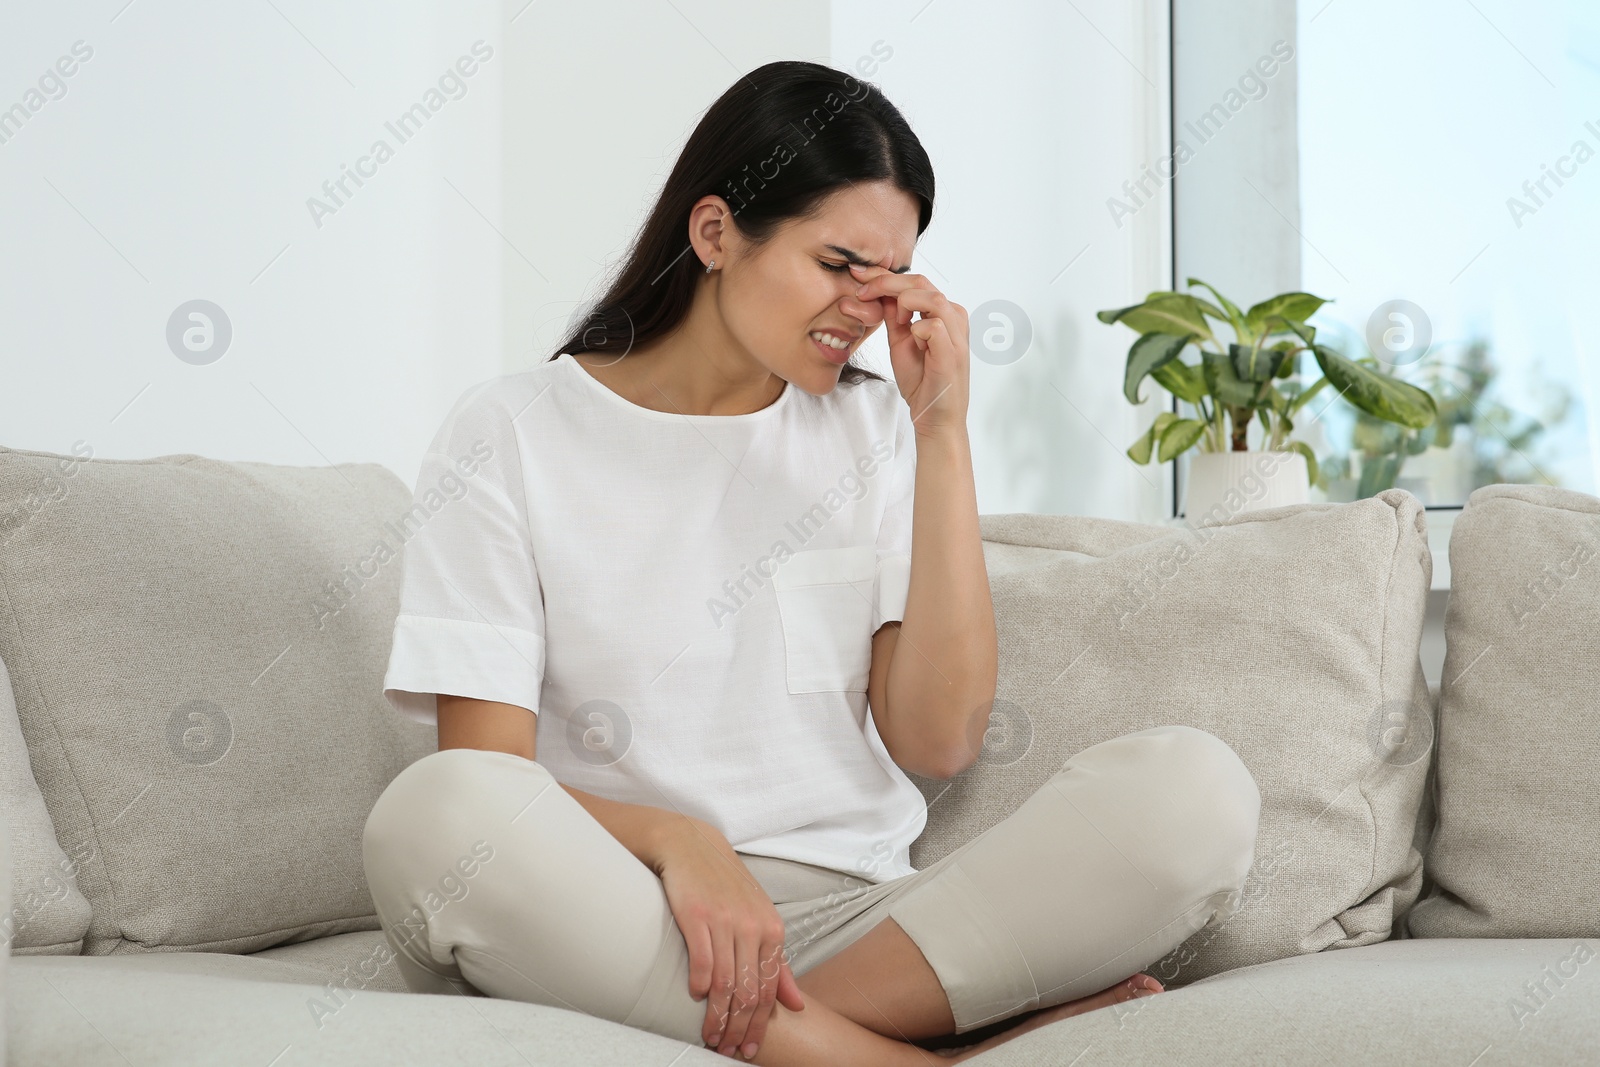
707 234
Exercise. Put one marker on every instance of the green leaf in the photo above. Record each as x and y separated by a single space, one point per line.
1378 395
1291 361
1293 307
1234 315
1148 354
1223 383
1278 324
1182 380
1308 334
1178 436
1164 312
1139 451
1254 365
1311 459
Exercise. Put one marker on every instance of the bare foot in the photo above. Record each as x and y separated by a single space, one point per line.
1140 985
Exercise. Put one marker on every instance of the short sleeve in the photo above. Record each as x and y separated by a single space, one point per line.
471 618
894 533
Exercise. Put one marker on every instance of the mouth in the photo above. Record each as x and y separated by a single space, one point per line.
830 353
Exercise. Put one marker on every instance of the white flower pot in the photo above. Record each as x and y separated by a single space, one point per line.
1221 485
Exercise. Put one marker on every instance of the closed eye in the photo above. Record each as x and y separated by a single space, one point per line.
835 267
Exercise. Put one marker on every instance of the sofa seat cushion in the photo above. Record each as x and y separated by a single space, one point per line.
361 959
1415 1001
137 967
202 1009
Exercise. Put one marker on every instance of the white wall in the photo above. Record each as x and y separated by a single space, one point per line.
600 97
177 164
1034 114
179 161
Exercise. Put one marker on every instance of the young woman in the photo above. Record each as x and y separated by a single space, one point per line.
688 600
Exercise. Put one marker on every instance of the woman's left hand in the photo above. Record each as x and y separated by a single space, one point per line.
930 356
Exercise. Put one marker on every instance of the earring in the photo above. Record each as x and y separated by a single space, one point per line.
713 263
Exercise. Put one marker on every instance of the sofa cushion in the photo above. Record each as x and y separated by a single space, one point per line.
1516 848
201 1009
361 959
1456 1002
197 650
47 913
1292 633
5 906
1404 1002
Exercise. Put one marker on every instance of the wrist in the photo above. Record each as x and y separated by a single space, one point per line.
950 439
670 833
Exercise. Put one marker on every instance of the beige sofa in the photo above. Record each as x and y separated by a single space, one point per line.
192 732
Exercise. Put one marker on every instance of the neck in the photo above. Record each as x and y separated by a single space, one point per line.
695 370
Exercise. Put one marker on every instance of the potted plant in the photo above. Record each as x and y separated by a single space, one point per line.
1239 379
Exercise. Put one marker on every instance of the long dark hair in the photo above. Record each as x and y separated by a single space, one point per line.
821 128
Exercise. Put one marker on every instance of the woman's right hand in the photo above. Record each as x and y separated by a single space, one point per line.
735 937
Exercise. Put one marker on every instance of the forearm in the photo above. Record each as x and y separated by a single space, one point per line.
649 833
942 675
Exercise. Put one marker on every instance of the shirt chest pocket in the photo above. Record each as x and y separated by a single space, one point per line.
825 599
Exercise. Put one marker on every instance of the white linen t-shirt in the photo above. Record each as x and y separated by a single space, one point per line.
686 601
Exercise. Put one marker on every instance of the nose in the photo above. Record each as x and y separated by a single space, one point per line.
868 312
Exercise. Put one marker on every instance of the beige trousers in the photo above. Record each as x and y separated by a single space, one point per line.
490 879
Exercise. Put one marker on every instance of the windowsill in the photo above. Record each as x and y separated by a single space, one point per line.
1440 523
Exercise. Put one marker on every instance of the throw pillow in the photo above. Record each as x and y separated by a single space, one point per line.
197 651
1291 632
1515 850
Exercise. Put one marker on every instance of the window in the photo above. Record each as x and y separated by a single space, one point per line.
1433 169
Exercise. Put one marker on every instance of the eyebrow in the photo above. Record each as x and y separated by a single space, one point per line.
857 257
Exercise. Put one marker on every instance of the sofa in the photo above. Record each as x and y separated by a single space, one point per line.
192 732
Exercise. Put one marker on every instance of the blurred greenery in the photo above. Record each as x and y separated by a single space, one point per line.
1503 441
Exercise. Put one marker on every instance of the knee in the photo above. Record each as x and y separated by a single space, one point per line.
1201 761
1207 802
440 800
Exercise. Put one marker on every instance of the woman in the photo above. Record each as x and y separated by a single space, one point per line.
681 652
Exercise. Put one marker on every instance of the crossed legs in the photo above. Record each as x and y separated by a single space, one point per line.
1128 850
1135 844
